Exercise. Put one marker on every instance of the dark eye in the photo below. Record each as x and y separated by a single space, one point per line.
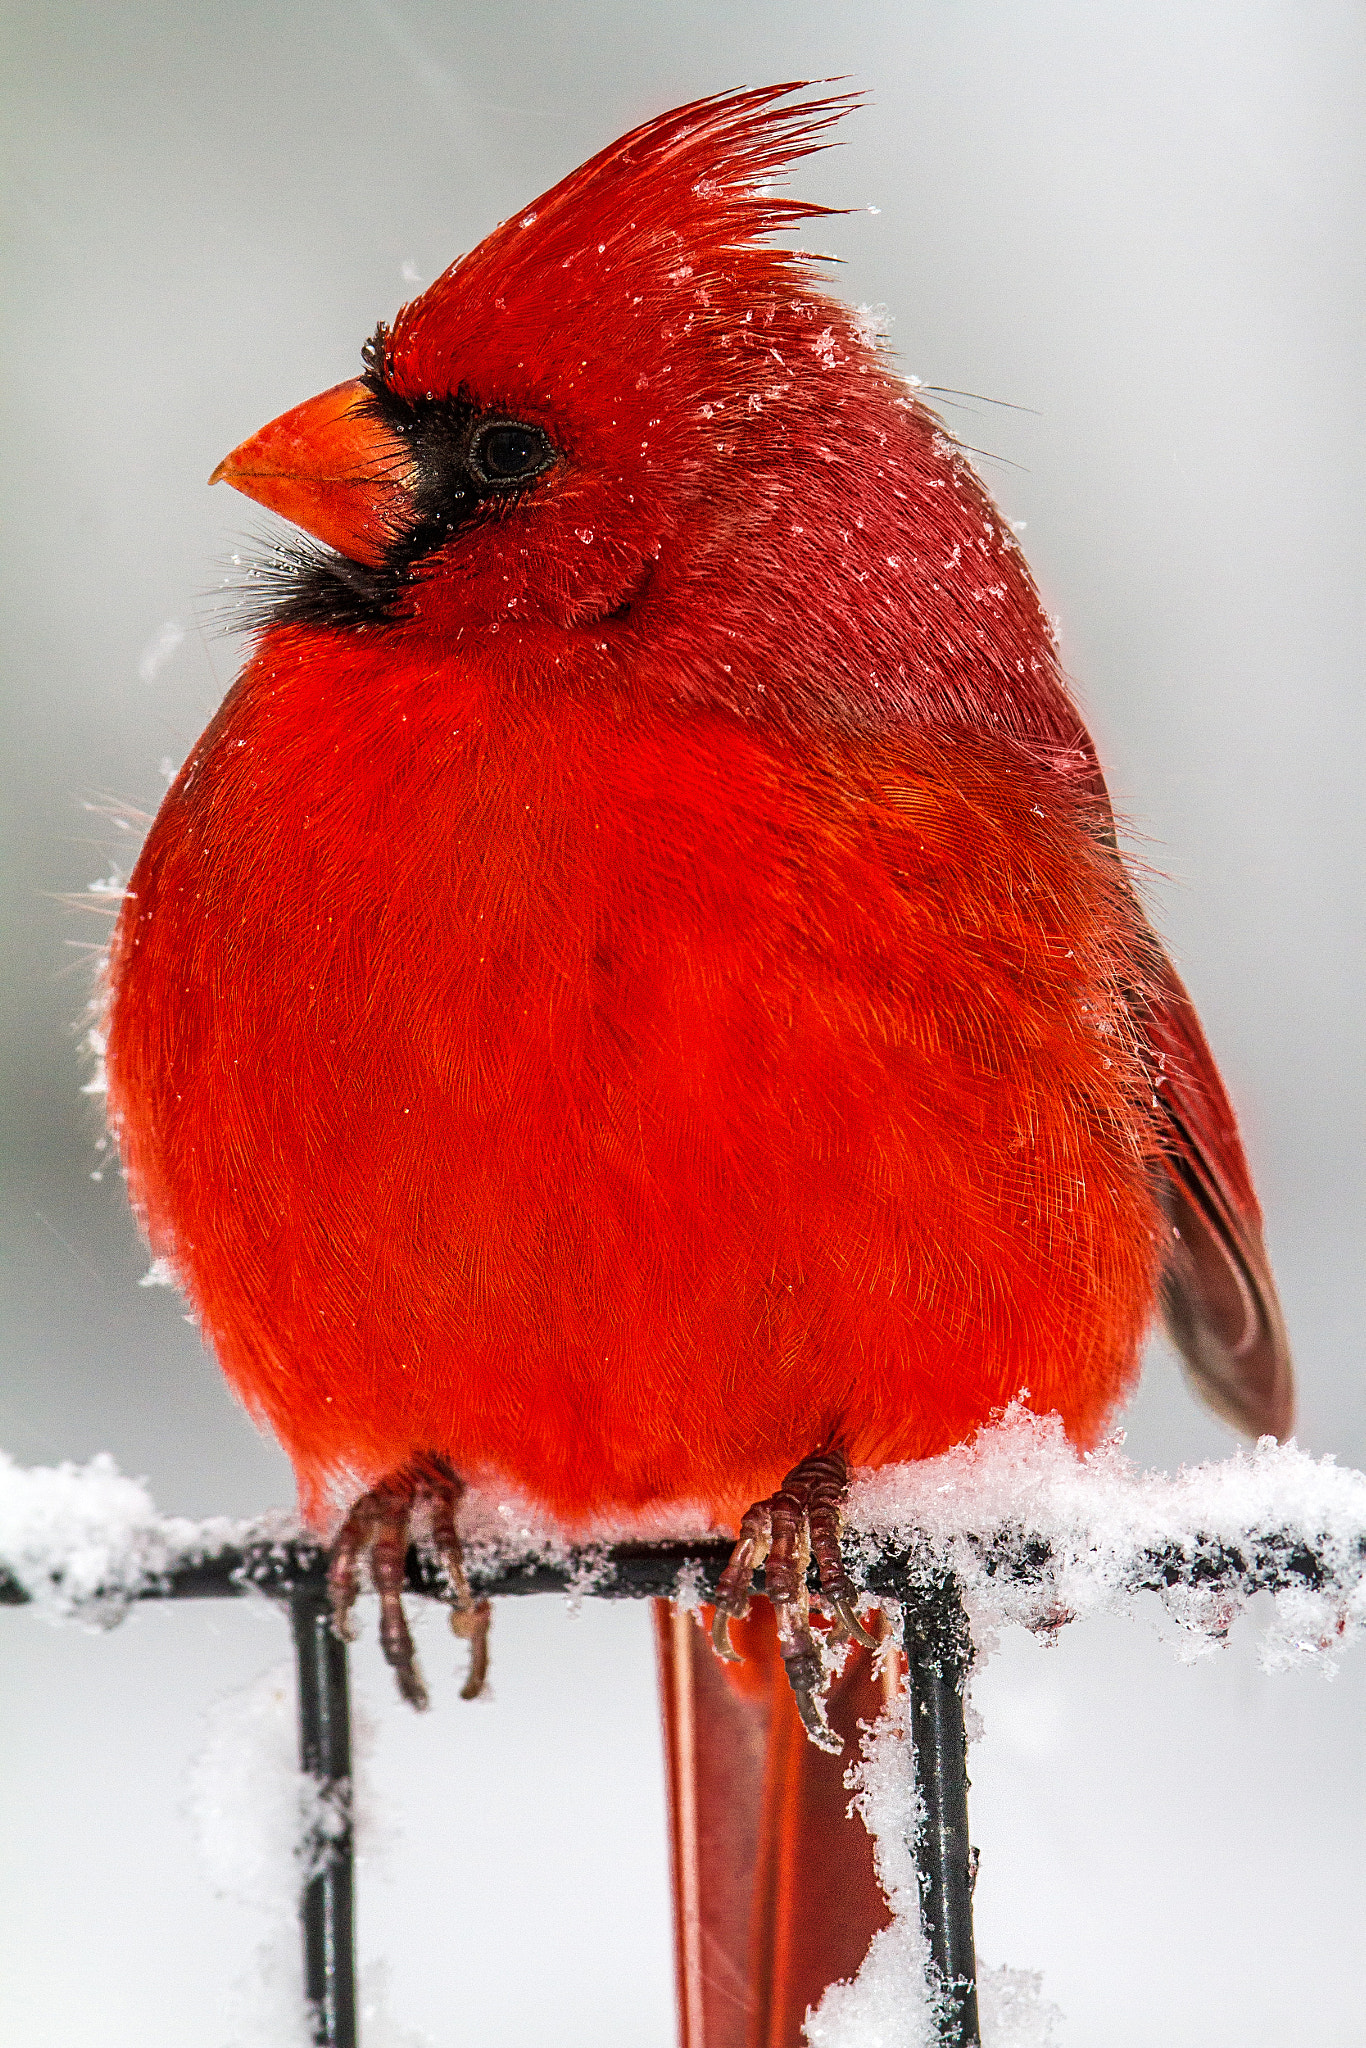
507 452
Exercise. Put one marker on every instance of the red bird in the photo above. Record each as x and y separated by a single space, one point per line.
634 997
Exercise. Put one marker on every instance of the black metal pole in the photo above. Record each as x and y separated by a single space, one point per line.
326 1905
939 1653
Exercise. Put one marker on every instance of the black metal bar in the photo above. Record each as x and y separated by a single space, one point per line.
939 1653
283 1566
1268 1560
326 1908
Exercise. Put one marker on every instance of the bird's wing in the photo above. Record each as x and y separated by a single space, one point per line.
1219 1298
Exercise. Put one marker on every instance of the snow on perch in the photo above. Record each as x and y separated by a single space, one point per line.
262 1827
1041 1534
83 1541
1036 1532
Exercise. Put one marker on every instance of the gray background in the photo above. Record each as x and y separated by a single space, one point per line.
1143 221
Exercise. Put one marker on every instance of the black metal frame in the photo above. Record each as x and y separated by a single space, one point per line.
295 1573
938 1647
939 1658
326 1904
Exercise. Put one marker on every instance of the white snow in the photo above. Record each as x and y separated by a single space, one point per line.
872 324
1013 2010
159 650
84 1541
1103 1523
889 2003
252 1808
94 1046
1097 1524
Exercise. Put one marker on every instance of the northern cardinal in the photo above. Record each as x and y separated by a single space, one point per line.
634 997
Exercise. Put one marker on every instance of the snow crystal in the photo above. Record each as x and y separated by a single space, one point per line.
266 2008
158 1274
889 2004
502 1528
872 324
590 1568
159 650
254 1811
378 2027
689 1593
1013 2010
1037 1533
84 1541
1041 1534
94 1046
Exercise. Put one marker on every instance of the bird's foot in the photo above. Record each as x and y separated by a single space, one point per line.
782 1534
380 1523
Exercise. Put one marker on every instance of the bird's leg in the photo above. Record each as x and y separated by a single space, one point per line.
469 1617
785 1585
826 1478
377 1524
782 1533
732 1589
380 1524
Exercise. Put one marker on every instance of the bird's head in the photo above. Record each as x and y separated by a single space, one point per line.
628 411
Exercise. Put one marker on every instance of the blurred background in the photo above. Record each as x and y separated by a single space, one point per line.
1142 224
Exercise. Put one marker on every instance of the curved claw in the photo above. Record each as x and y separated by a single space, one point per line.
469 1617
847 1618
782 1534
472 1623
344 1625
720 1637
811 1708
408 1679
343 1567
395 1637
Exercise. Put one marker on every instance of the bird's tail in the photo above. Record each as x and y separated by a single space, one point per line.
775 1895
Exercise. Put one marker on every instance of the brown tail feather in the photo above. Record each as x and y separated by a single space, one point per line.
774 1891
1219 1296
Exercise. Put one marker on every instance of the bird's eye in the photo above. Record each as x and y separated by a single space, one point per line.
507 452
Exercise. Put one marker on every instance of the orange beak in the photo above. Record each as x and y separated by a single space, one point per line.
334 468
